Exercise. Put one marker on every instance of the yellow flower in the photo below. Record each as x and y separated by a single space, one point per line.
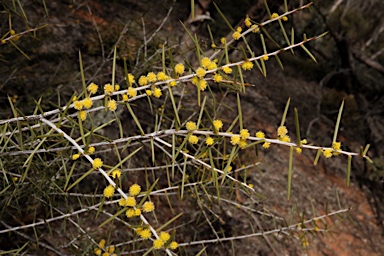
250 185
130 79
212 45
260 135
92 88
327 153
91 150
148 92
157 92
336 145
217 78
218 124
112 105
285 138
102 243
122 202
266 144
137 212
236 35
97 251
117 87
173 83
12 32
274 16
179 68
173 245
130 201
265 57
108 89
110 249
212 65
87 103
125 97
145 234
223 40
148 207
244 133
131 92
158 243
202 84
143 80
255 28
209 141
298 150
97 163
161 76
285 18
227 70
200 72
130 213
151 77
281 131
164 236
75 156
235 139
134 190
205 62
116 174
109 191
247 65
191 126
82 115
78 105
193 139
247 22
242 143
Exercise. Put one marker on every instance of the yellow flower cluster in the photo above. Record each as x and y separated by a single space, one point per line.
191 126
109 251
163 239
282 134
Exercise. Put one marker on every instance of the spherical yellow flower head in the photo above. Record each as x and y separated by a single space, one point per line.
116 174
173 83
75 156
102 243
130 201
336 145
117 87
78 105
202 84
247 65
110 249
112 105
87 103
134 190
218 124
82 115
247 22
193 139
130 213
267 145
217 78
164 236
209 141
223 40
205 62
242 143
148 207
265 57
212 65
235 139
274 16
130 79
304 141
282 131
131 92
97 163
92 88
191 126
298 150
91 150
108 89
158 243
200 72
97 251
151 77
195 80
173 245
239 29
327 153
137 212
143 80
161 76
145 234
179 68
213 45
260 135
125 97
285 18
109 191
285 138
122 202
149 92
250 185
157 92
236 35
255 28
244 133
227 70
